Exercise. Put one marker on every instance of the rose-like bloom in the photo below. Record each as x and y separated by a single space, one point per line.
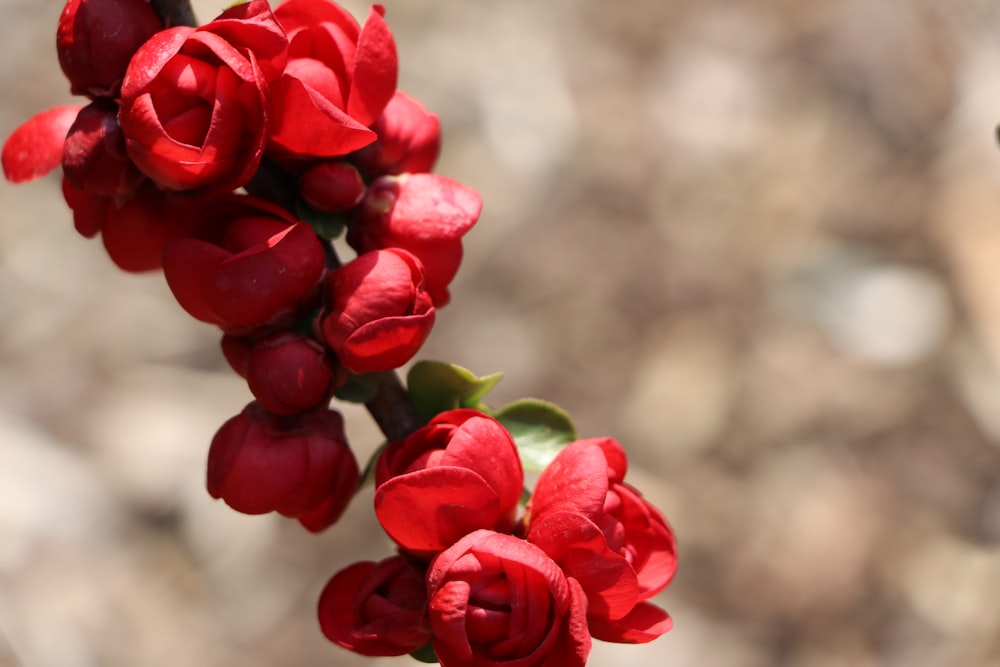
378 312
459 473
94 157
247 263
332 186
286 372
299 466
409 139
194 100
377 609
605 534
497 600
96 39
36 147
338 79
427 215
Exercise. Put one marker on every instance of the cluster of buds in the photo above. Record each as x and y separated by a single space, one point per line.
230 156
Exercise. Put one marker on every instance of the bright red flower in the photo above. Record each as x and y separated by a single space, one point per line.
496 600
602 532
287 372
378 312
409 139
96 39
299 466
425 214
36 147
459 473
377 609
247 263
94 157
338 79
194 100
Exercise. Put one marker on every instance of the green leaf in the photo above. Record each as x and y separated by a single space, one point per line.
540 429
359 388
326 225
425 654
436 386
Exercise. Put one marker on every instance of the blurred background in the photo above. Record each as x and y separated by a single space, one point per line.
758 242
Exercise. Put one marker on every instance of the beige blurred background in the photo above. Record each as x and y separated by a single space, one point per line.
757 241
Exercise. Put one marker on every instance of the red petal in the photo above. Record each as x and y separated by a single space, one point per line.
36 147
575 481
643 624
376 70
304 123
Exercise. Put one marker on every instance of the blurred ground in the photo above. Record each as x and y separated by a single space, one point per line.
758 242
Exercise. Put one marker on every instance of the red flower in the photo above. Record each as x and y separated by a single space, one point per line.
194 99
36 147
94 157
247 263
495 599
338 79
377 609
298 466
287 372
409 139
96 39
459 473
425 214
602 532
379 313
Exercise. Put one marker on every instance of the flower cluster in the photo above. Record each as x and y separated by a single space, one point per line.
482 586
230 156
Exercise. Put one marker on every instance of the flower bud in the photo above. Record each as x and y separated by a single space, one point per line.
94 157
409 139
332 187
298 466
379 313
96 39
290 373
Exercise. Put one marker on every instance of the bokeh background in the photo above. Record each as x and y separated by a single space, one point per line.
758 242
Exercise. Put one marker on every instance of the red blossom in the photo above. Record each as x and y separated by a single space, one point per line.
409 139
497 600
247 263
378 312
94 157
459 473
377 609
299 466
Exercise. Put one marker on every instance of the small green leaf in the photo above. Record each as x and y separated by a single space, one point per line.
436 387
425 654
540 429
326 225
359 388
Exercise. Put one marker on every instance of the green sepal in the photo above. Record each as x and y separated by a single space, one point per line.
540 429
326 225
425 654
436 386
359 388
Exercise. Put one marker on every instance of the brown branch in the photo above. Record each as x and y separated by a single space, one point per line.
393 410
174 12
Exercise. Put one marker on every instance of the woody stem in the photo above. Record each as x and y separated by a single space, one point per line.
174 12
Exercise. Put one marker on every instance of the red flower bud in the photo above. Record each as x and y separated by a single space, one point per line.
409 139
378 311
497 600
290 373
137 229
332 187
96 39
247 263
194 100
94 157
377 609
296 466
338 80
425 214
459 473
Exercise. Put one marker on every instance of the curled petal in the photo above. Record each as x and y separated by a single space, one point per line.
36 147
